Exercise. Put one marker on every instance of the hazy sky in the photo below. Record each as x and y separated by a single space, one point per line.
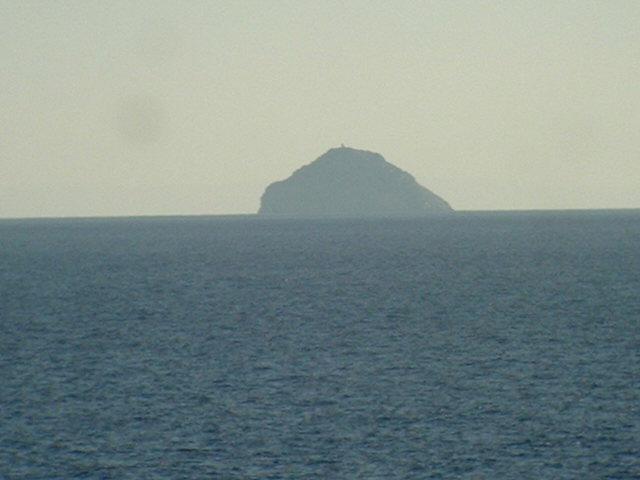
186 107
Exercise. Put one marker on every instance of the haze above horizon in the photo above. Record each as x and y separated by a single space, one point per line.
160 108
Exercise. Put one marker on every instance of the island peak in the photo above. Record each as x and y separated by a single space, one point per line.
346 181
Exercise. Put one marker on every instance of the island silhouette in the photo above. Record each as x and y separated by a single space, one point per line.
350 183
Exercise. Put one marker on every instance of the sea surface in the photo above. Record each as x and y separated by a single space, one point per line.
479 346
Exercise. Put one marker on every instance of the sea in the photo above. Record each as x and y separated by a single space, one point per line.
479 345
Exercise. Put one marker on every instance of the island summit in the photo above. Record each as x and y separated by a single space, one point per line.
347 182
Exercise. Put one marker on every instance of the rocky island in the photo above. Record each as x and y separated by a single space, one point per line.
349 182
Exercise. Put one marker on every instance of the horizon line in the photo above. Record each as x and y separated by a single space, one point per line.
235 215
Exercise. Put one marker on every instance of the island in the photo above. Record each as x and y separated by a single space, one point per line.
346 182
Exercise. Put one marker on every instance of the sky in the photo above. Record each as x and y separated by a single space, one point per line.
153 107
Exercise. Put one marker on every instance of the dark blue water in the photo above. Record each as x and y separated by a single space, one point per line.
478 346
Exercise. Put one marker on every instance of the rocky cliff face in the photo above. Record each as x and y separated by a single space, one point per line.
349 182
